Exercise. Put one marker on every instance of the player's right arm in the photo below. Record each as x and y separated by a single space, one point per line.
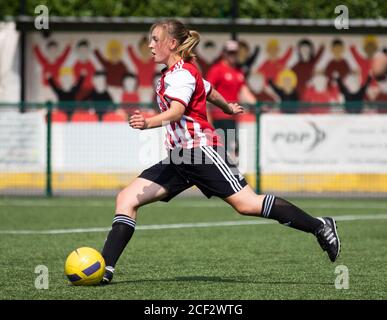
174 113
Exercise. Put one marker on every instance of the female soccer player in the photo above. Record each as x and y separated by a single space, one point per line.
196 155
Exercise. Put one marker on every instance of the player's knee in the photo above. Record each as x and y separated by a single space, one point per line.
248 209
125 201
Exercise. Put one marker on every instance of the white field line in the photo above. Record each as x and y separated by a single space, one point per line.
186 204
188 225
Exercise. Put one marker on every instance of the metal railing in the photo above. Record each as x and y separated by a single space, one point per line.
257 109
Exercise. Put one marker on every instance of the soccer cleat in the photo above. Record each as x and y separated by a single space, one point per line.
108 275
328 238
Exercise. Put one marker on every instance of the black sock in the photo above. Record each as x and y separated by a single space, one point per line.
117 239
288 214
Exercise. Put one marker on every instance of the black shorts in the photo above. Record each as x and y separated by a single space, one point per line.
208 168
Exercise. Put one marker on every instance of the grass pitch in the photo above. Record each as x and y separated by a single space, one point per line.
189 253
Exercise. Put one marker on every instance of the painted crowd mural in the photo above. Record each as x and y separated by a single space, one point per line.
118 68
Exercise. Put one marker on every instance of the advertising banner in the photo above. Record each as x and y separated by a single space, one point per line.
324 144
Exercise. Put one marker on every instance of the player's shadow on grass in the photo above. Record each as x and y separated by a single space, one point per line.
222 280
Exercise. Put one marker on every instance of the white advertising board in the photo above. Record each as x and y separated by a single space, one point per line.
323 144
22 141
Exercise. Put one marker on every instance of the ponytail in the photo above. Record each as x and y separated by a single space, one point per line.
185 50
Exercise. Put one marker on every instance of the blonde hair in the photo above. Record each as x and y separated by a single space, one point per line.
66 71
370 39
187 39
114 45
287 73
272 43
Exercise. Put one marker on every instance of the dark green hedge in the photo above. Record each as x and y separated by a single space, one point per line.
201 8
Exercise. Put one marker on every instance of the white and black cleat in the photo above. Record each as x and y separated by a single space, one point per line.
328 238
108 275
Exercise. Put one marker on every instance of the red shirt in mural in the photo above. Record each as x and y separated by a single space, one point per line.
304 70
145 69
114 71
49 68
271 68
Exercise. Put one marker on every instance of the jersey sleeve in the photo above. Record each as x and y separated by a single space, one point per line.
207 86
180 86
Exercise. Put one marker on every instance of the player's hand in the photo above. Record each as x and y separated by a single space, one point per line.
138 121
235 108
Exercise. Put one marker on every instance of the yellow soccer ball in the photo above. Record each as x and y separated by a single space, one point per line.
84 267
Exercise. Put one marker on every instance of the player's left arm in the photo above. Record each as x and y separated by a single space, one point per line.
174 113
218 100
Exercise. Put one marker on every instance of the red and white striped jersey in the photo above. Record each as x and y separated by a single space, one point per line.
183 82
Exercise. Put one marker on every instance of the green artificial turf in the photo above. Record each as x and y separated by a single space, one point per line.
265 261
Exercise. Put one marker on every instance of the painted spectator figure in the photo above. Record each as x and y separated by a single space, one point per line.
100 94
245 58
337 64
144 63
286 90
379 65
146 68
307 60
379 71
320 93
227 78
50 62
114 67
353 92
370 47
130 85
274 64
84 65
68 90
256 83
